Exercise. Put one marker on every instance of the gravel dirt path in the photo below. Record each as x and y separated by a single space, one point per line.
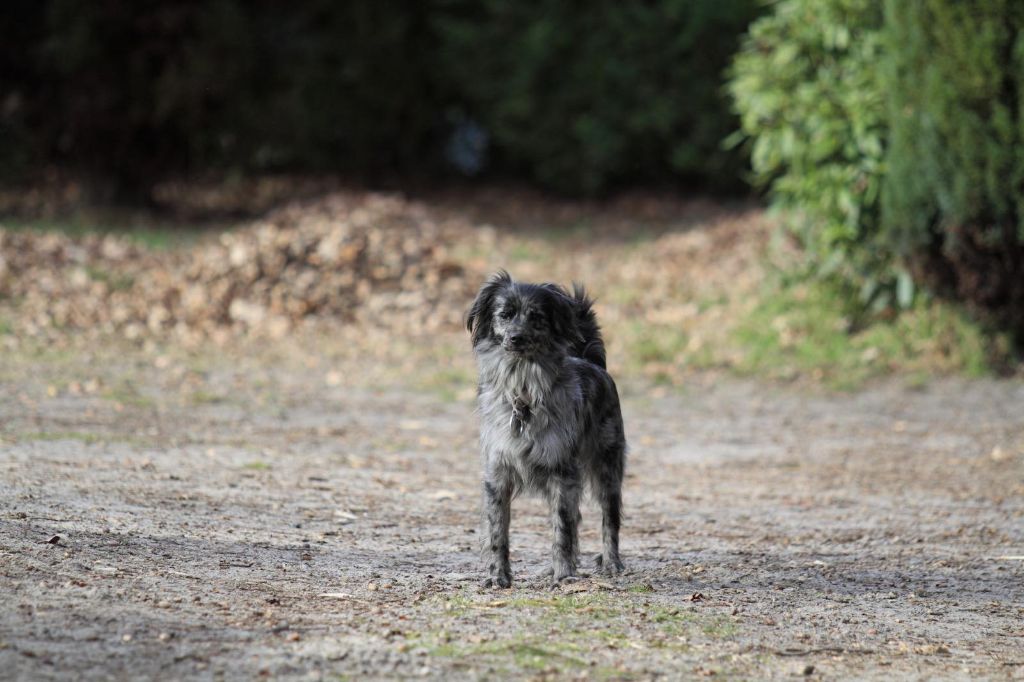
281 524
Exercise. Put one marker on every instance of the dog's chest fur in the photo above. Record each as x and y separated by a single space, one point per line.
548 429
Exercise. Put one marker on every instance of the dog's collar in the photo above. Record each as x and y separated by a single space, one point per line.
520 416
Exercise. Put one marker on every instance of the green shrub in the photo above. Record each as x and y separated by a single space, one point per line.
141 89
807 89
953 203
581 96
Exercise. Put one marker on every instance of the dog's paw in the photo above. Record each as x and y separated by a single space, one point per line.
609 568
502 579
562 573
565 580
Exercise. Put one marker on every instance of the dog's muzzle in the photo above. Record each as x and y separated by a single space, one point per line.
515 341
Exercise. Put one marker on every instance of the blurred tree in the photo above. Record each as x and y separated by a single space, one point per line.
22 30
575 96
582 95
141 89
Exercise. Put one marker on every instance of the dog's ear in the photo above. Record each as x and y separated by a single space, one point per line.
480 317
562 313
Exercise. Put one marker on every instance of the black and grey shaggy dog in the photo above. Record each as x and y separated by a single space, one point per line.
549 418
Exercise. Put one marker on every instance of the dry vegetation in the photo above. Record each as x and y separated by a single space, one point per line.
682 285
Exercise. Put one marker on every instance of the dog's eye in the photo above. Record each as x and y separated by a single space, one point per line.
506 314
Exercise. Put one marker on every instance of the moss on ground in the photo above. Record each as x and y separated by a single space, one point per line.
562 633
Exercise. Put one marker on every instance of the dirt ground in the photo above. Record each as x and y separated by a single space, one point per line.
162 518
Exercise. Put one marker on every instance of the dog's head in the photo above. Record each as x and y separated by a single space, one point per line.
521 319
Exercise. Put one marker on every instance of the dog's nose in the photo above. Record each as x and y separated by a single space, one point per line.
515 339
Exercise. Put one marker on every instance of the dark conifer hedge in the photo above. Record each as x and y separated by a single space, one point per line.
953 202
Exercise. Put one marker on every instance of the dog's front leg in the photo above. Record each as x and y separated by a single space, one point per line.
498 514
564 500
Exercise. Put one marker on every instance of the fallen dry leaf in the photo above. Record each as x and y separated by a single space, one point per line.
348 256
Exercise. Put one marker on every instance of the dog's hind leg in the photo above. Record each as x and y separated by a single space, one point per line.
564 501
498 514
609 495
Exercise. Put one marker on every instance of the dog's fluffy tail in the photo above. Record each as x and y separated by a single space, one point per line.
589 345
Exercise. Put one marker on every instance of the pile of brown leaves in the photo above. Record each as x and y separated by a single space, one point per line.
357 258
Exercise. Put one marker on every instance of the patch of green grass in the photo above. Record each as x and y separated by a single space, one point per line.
799 329
656 350
560 234
520 652
720 627
457 604
525 251
200 397
642 588
533 656
126 393
114 280
625 295
528 653
559 607
37 351
804 329
6 327
256 465
162 238
678 622
563 633
707 303
918 380
145 230
83 437
657 343
80 436
447 382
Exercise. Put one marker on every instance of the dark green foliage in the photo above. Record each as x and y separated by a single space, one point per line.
953 203
574 95
892 135
22 29
807 88
582 95
137 89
